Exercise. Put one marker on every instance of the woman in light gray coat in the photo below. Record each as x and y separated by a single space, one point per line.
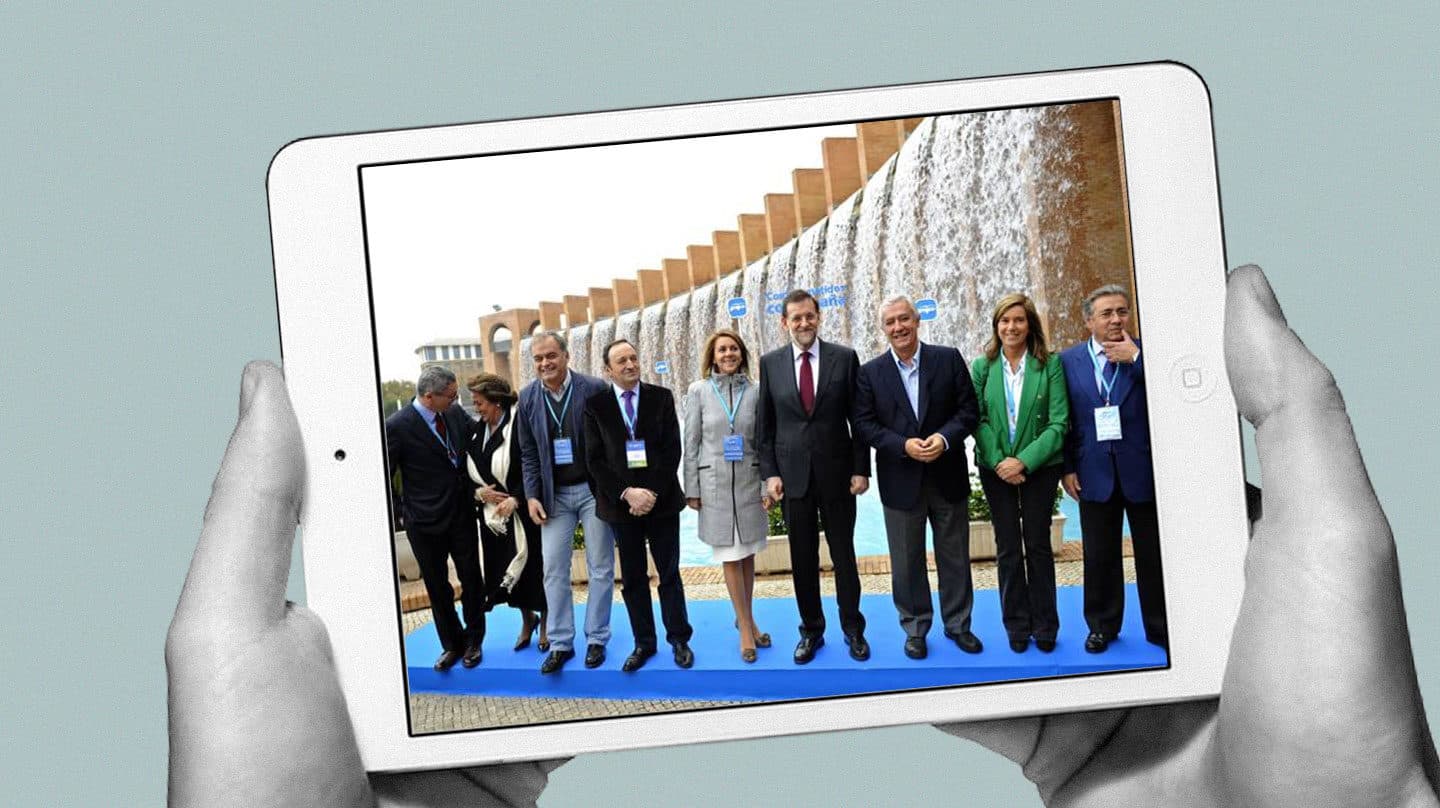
722 474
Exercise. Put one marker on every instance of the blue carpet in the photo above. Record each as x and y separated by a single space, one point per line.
720 675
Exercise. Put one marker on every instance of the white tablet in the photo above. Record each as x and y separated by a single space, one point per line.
506 247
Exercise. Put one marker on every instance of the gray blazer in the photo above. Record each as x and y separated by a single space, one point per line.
729 491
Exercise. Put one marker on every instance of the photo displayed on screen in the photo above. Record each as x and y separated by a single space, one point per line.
773 416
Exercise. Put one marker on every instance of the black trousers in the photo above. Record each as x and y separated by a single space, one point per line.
837 508
432 551
1101 526
1024 561
663 535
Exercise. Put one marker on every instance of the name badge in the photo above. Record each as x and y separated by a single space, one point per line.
635 454
734 447
564 452
1107 423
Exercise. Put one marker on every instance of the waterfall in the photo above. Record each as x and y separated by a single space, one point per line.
522 365
602 332
651 344
580 348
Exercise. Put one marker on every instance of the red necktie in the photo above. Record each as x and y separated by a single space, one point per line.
807 384
444 438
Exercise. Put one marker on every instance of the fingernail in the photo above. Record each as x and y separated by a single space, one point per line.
249 384
1264 295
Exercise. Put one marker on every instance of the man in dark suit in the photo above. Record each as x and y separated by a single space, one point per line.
811 463
915 404
426 442
632 451
1108 469
560 494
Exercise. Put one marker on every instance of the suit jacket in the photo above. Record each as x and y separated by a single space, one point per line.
605 437
1042 418
793 444
884 419
1101 465
537 458
434 492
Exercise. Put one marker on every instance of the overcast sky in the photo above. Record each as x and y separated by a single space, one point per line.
449 239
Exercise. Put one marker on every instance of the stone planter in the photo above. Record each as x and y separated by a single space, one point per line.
982 538
409 568
775 558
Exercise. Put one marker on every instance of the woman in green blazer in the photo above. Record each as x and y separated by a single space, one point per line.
1024 413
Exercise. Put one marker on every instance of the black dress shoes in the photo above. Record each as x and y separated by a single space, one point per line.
915 648
1019 644
473 654
636 660
556 660
447 660
859 649
594 656
967 641
1096 643
806 648
684 657
1045 644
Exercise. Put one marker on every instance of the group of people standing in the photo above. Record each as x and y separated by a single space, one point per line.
609 456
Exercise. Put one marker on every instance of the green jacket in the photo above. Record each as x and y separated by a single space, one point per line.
1044 413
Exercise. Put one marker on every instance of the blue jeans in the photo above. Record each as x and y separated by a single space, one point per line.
574 504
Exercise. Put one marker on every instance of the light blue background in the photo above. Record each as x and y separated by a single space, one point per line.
135 255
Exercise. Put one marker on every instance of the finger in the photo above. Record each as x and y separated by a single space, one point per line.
1315 480
1322 602
508 785
242 562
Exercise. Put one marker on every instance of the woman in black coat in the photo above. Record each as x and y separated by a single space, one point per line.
509 541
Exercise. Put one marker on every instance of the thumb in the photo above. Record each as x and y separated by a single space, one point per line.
242 561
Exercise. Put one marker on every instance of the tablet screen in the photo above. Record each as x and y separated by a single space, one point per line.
974 263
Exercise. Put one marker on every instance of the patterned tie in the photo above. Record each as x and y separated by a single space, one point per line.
1108 374
629 396
807 384
445 438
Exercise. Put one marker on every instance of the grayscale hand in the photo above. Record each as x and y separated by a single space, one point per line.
257 716
1320 705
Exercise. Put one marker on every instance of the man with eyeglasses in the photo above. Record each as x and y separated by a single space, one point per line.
427 441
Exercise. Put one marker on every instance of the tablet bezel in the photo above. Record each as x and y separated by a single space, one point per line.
329 356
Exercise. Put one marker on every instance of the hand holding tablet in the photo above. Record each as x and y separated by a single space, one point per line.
1320 703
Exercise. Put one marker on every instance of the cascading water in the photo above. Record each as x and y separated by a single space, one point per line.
580 348
652 342
522 366
601 333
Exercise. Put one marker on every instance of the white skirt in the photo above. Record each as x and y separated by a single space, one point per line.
736 550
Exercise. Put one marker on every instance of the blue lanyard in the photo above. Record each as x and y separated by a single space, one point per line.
1105 387
564 406
730 412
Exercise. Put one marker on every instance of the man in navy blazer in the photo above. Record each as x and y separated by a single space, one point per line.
426 442
915 404
1108 469
812 463
560 495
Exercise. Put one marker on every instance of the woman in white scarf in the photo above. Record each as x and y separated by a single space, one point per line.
509 541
